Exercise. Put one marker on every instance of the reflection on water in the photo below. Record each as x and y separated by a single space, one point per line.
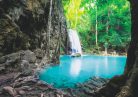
97 68
74 70
75 67
106 64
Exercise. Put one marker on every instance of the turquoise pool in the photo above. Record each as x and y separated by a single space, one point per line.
73 70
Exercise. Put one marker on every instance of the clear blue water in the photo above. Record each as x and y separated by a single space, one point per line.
73 70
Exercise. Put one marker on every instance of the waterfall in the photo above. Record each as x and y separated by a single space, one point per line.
75 46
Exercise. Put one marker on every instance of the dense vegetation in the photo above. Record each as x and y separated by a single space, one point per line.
100 23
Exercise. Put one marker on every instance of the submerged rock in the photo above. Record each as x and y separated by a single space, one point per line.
87 89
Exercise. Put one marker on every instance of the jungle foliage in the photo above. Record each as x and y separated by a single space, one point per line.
112 18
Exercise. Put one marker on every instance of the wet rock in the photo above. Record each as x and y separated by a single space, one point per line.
88 91
2 69
23 27
6 78
89 88
39 53
31 87
21 92
28 56
10 90
26 68
20 61
57 95
2 60
23 88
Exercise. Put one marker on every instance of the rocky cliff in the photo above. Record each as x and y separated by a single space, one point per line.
36 25
32 34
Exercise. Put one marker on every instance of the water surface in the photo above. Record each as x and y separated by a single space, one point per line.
73 70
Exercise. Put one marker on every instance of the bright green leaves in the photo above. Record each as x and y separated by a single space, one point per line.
113 21
73 13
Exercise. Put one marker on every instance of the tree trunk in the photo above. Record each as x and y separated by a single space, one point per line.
131 71
127 84
132 57
107 23
96 32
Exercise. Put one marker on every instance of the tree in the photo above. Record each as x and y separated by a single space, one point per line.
100 21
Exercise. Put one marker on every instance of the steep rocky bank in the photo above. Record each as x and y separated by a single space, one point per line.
34 25
32 32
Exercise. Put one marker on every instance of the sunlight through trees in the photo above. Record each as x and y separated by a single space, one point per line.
99 22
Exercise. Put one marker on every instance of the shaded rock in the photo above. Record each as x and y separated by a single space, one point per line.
2 69
88 88
39 53
6 78
10 90
125 92
2 60
28 56
19 61
25 64
25 24
27 87
88 91
21 92
23 88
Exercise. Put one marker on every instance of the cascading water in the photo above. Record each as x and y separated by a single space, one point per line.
75 46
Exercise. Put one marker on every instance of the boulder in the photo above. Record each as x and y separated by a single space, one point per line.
28 56
39 53
20 60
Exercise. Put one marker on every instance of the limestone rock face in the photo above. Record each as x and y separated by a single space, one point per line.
32 32
19 61
32 24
